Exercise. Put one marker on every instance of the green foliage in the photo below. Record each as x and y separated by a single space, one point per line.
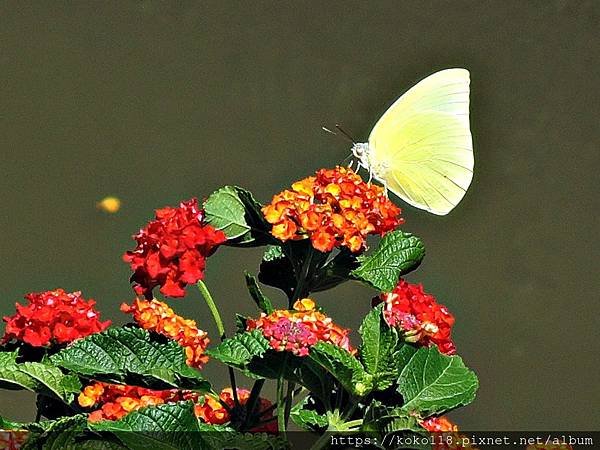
434 383
238 351
379 350
398 253
234 211
37 377
308 419
334 272
129 355
261 300
277 270
343 366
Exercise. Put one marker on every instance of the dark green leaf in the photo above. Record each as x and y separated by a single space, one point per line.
235 211
276 270
238 350
308 419
343 366
129 355
162 427
38 377
262 301
433 383
379 349
383 420
224 437
335 272
398 253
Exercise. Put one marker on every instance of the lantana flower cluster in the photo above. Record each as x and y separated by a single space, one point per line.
171 250
154 315
299 329
117 400
53 316
422 320
333 208
455 440
212 411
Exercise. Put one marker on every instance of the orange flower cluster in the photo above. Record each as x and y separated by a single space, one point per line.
335 207
116 400
213 412
157 316
298 330
451 439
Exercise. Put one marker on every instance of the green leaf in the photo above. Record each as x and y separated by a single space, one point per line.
276 270
38 377
237 351
297 369
398 253
234 211
337 271
130 355
433 383
384 420
67 433
168 426
343 366
225 437
263 302
379 349
308 419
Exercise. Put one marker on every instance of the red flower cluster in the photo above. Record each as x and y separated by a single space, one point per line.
157 316
53 315
335 207
171 251
452 439
116 400
298 330
422 319
213 412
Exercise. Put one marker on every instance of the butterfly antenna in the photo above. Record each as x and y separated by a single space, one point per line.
343 134
341 130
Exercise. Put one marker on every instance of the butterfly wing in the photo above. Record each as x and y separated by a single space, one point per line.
421 148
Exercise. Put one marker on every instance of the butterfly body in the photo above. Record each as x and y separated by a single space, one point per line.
421 148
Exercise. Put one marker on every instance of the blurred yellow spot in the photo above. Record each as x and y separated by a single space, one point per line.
109 205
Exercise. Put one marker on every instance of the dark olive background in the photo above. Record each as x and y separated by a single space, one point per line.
156 102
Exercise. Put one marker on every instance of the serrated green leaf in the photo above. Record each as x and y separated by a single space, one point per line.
434 383
237 351
398 253
225 437
379 349
307 419
234 211
38 377
261 300
129 355
343 366
168 426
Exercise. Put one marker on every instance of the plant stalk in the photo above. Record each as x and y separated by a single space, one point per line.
220 329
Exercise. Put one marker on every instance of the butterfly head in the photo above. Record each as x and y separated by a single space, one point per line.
361 152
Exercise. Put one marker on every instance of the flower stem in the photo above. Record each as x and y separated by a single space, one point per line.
253 400
212 307
281 405
220 329
300 291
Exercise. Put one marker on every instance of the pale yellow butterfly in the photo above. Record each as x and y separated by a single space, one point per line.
421 148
